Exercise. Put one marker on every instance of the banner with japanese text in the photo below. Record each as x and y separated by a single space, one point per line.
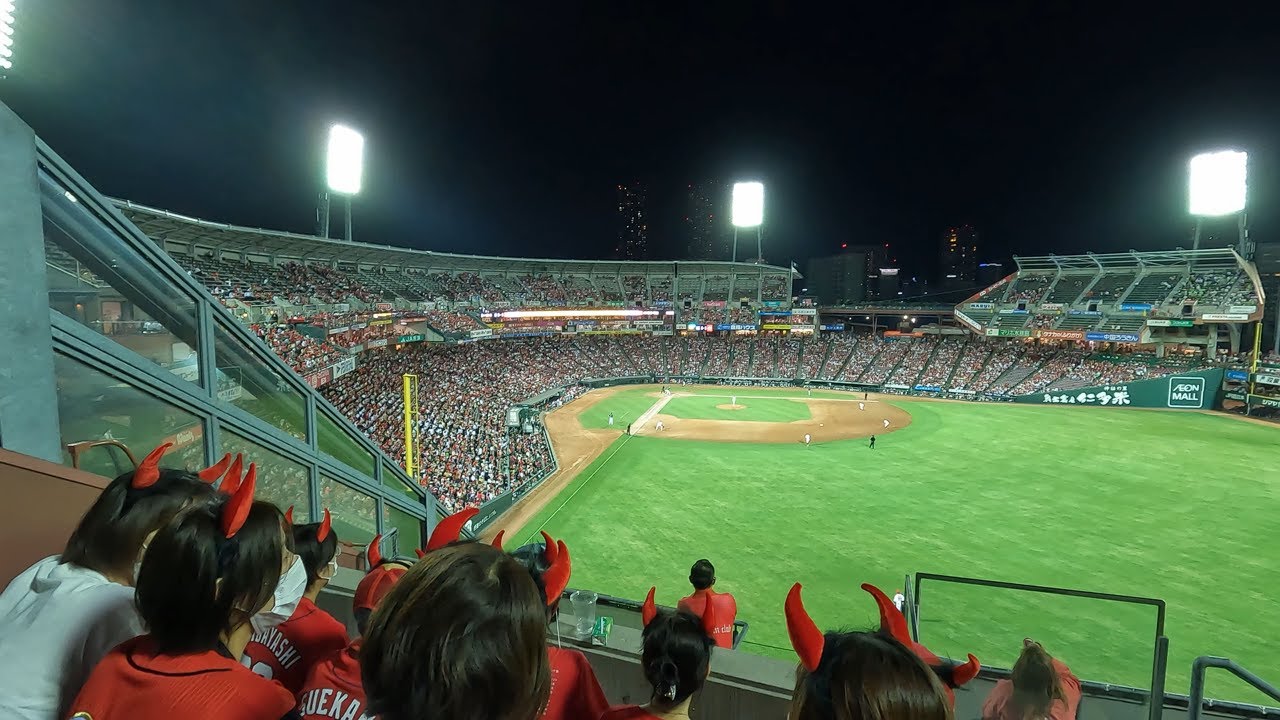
1192 390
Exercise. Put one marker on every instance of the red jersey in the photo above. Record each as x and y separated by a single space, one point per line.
627 712
286 653
726 612
332 688
134 683
575 691
999 704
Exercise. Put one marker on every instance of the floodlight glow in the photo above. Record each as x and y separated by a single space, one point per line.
1218 182
748 204
346 160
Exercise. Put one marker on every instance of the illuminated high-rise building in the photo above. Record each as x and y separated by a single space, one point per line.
705 224
633 222
958 255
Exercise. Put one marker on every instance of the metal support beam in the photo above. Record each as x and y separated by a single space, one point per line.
28 388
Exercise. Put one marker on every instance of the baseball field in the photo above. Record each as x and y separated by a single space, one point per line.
1180 506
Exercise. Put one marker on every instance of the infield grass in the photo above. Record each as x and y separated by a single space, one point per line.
753 409
1177 506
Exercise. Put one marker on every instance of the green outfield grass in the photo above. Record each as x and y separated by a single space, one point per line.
754 409
1178 506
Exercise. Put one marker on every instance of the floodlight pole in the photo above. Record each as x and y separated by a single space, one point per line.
324 215
349 238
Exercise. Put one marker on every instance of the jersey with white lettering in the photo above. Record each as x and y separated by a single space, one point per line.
332 689
133 682
726 612
286 653
575 691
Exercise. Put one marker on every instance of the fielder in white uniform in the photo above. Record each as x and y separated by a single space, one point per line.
898 599
862 406
660 426
807 439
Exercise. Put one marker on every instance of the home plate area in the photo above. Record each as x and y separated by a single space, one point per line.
757 419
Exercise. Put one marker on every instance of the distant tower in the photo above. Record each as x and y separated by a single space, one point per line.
633 222
958 255
703 222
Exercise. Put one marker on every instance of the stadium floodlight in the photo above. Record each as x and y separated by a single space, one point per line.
346 160
6 34
748 204
1217 183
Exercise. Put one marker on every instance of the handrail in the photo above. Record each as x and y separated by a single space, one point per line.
75 449
1195 702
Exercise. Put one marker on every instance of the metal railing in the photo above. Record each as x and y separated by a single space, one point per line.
1196 701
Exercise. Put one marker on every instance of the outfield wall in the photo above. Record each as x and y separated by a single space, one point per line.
1197 390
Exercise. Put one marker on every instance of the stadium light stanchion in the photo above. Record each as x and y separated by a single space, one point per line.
6 35
344 171
748 213
1217 186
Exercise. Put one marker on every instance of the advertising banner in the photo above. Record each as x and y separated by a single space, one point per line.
1051 307
928 388
1135 307
343 366
1013 311
647 323
480 333
1189 391
410 339
381 342
741 326
384 307
358 326
1050 334
1008 332
804 311
491 510
1264 401
1083 312
1111 337
1266 379
1237 375
1246 309
833 327
1171 323
335 331
895 386
981 306
376 323
234 393
1226 316
318 379
773 303
961 391
774 326
662 333
1235 395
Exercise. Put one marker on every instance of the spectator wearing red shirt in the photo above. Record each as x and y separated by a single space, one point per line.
1041 687
575 692
703 577
676 659
287 652
332 688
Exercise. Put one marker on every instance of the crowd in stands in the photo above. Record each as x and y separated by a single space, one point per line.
451 321
303 354
171 593
1030 288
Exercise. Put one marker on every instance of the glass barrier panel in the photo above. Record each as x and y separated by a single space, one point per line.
392 481
354 513
410 529
98 280
280 481
333 441
1104 641
252 383
94 406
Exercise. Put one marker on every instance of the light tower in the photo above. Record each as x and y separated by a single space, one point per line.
6 35
344 169
748 213
1217 187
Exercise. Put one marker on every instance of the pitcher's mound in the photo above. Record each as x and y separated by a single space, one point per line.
727 406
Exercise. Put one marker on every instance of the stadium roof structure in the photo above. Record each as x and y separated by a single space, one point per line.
182 230
1092 262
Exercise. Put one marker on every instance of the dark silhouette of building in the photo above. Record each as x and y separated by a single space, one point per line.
958 256
849 276
633 222
705 226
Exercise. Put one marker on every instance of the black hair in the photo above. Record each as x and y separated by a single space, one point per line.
531 557
315 554
702 575
676 655
362 620
868 676
110 535
178 593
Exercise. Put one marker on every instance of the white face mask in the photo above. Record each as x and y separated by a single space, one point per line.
293 583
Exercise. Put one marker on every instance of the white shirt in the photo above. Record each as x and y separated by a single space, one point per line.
56 622
898 599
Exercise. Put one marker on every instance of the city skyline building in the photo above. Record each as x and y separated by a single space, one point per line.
633 222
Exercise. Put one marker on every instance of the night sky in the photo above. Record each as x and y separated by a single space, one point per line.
503 128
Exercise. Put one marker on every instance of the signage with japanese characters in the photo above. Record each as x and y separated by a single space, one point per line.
1225 316
1171 323
1111 337
1105 395
1195 390
1007 332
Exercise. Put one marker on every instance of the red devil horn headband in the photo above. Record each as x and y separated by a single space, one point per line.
372 553
497 539
148 471
217 470
550 551
806 638
966 672
236 511
449 529
232 480
288 515
891 618
649 610
325 526
556 578
420 553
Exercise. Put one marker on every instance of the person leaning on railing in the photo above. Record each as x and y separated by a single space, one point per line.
1040 688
